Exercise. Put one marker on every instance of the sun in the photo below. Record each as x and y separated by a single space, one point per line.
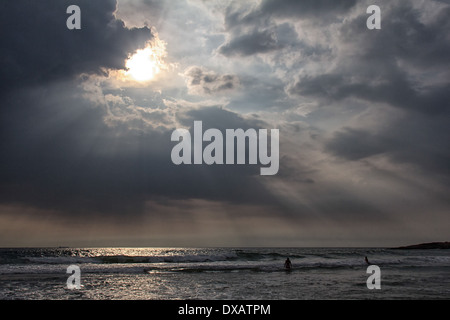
145 64
142 66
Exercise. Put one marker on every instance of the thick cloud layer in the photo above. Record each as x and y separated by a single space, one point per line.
363 118
37 46
63 156
379 65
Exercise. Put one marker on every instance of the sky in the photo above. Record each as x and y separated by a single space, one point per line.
87 117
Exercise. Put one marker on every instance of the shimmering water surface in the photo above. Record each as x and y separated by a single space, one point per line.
223 273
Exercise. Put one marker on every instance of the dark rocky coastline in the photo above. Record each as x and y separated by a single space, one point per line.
430 245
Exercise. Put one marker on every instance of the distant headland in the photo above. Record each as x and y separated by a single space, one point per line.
429 245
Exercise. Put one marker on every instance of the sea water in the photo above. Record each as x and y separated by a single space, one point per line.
223 273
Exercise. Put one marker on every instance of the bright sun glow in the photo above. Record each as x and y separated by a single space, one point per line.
145 63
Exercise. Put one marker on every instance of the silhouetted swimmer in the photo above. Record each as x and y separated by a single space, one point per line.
288 264
367 260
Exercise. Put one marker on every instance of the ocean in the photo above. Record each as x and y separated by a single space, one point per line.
222 274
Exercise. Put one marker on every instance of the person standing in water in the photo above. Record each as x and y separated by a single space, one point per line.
367 260
288 264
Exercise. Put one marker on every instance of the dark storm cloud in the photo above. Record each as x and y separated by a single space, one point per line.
253 31
251 43
412 139
256 35
396 91
382 61
209 82
108 155
403 66
58 154
60 151
46 126
393 66
404 35
261 14
37 47
363 144
294 8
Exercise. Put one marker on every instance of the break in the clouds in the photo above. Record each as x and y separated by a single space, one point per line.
362 114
